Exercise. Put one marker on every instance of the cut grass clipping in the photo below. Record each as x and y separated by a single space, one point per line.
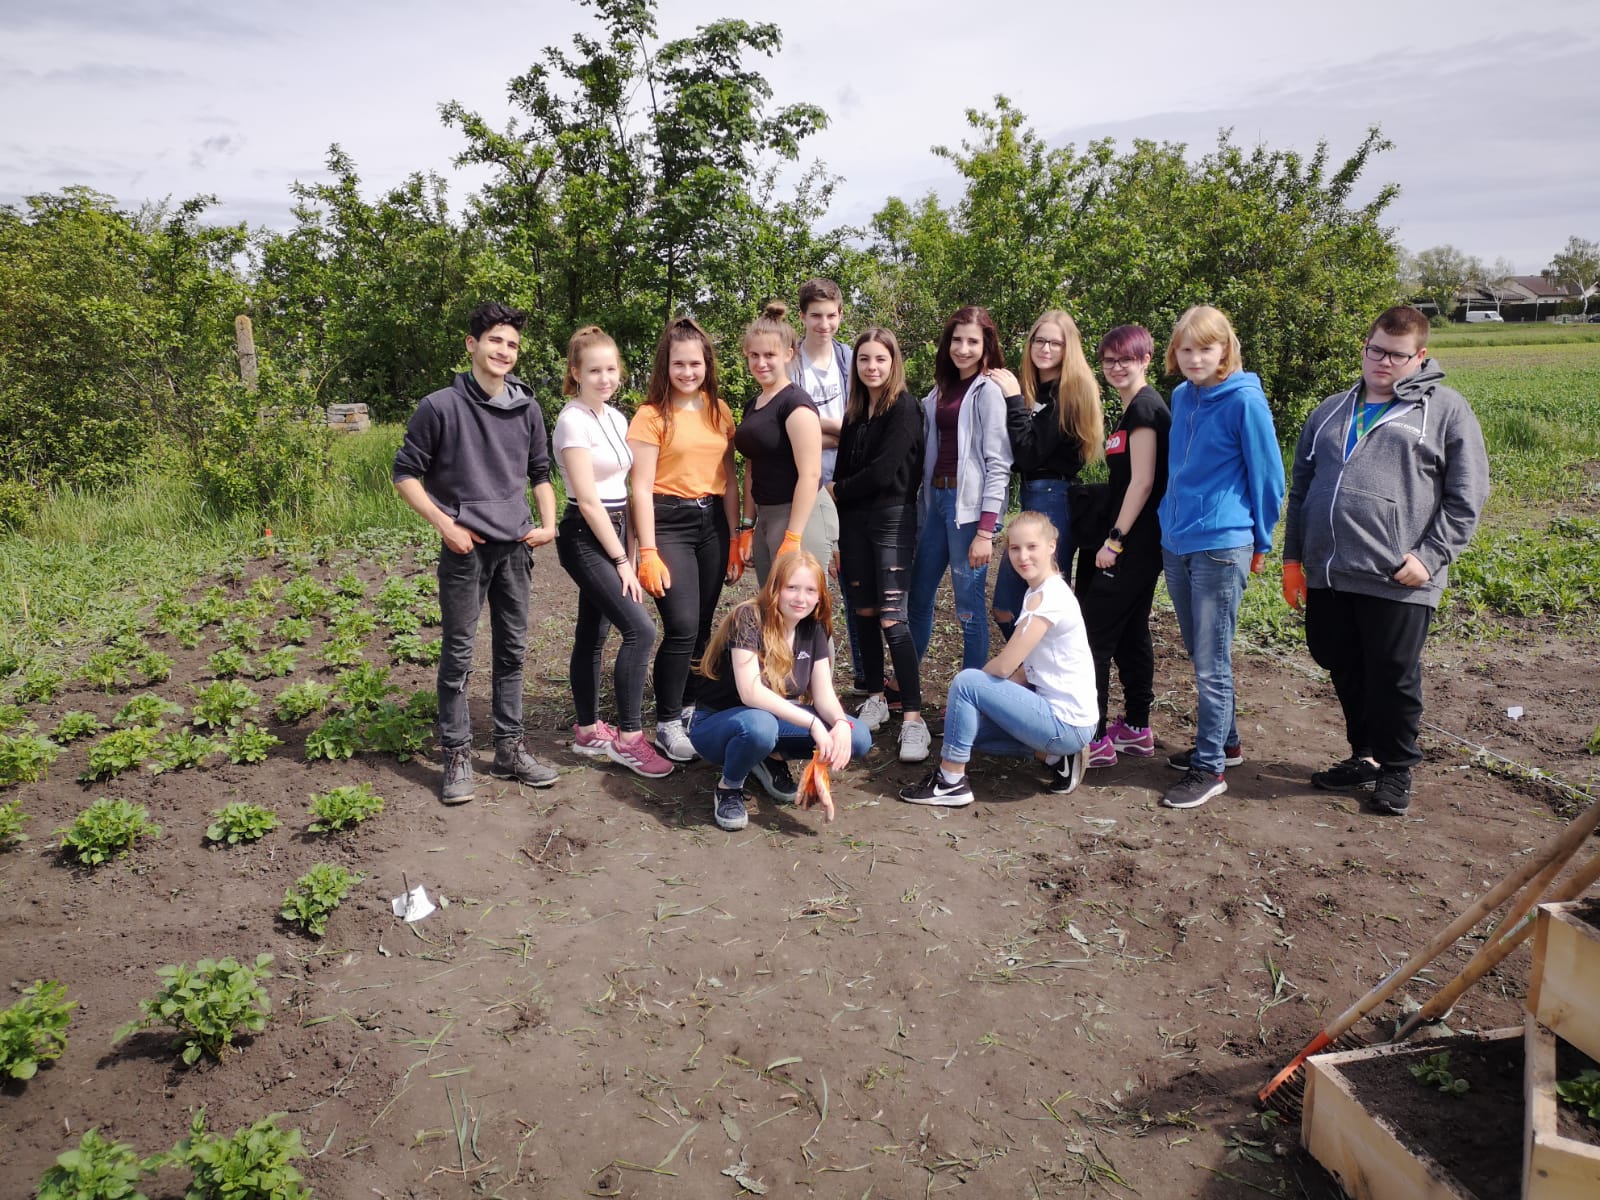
209 1004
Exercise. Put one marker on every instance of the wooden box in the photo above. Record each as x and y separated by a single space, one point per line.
1564 992
1553 1167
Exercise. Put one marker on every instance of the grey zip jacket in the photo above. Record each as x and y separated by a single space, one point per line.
983 452
1415 484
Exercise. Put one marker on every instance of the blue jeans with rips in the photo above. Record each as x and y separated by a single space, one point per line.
498 572
994 715
943 543
1206 588
1047 496
738 738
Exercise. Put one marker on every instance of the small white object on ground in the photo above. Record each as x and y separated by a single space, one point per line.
1515 712
412 906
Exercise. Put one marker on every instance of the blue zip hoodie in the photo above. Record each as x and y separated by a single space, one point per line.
1225 480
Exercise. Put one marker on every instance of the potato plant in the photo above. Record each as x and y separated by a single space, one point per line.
40 685
223 703
106 829
33 1031
147 709
241 822
253 1164
97 1170
300 700
25 758
181 749
343 808
74 725
12 818
228 662
249 743
311 900
122 750
209 1004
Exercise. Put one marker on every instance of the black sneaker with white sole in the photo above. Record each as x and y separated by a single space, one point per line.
1353 772
1232 756
939 791
1066 778
1194 789
775 780
728 809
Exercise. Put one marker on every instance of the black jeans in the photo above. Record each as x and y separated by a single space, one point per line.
498 572
692 539
601 605
1116 615
876 546
1373 649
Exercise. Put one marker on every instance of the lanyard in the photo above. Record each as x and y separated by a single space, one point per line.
1361 417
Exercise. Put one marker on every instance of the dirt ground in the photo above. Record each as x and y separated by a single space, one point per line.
1034 996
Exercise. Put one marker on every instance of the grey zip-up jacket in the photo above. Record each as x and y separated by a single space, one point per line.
983 452
1415 484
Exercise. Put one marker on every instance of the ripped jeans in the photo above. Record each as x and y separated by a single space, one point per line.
943 543
875 551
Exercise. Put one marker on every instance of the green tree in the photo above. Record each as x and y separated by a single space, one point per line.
1441 274
1577 266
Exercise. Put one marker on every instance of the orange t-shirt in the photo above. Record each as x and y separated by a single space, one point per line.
691 463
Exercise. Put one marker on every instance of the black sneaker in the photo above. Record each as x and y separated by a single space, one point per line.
727 806
936 790
1392 795
1232 756
1353 772
513 760
1069 774
458 786
773 776
1194 789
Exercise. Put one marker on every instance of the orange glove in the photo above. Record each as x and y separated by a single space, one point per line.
791 541
814 786
1294 586
653 574
1257 561
740 551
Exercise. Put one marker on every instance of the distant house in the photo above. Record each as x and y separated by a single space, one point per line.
1519 298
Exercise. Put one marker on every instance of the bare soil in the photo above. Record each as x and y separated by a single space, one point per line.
1034 996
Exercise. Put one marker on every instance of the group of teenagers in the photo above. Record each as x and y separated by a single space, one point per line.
850 477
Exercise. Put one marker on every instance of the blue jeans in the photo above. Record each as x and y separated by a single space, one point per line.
997 716
1047 496
1206 588
736 739
943 543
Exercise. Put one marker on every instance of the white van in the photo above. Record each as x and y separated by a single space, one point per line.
1474 318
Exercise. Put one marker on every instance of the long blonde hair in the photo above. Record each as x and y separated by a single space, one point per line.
1078 406
776 655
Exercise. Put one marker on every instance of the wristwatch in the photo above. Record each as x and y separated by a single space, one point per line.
1116 535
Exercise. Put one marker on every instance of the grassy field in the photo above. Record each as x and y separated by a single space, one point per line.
1541 333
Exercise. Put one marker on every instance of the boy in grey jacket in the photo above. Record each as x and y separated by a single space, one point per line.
1390 478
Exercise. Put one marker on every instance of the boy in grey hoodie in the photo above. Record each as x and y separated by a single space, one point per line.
1390 478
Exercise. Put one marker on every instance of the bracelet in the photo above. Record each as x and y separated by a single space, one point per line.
620 560
1114 547
986 533
746 523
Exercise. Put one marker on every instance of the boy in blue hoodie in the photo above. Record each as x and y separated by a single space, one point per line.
470 452
1389 480
1224 489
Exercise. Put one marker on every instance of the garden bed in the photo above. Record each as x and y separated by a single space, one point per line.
1561 1146
1564 994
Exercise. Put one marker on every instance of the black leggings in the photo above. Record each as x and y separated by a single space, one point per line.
876 546
601 605
692 540
1116 615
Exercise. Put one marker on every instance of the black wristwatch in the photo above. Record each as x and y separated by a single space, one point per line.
1116 535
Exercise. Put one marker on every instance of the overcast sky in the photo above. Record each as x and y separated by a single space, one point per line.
1494 106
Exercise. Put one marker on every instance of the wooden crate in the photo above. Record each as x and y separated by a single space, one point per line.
1553 1167
1360 1151
1564 995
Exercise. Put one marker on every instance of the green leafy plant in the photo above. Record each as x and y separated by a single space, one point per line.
184 748
249 743
408 647
25 758
253 1164
105 669
228 662
264 588
121 750
343 651
223 703
404 621
300 700
169 611
241 634
241 822
212 607
342 807
34 1029
209 1004
105 829
292 629
188 633
156 667
97 1170
390 729
147 709
12 819
423 704
40 685
396 596
430 614
364 687
1434 1072
312 899
1583 1093
357 624
337 737
279 662
74 725
306 597
349 584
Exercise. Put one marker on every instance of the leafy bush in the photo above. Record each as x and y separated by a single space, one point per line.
395 597
253 1164
222 703
12 715
105 829
148 709
74 725
249 743
424 705
25 758
241 634
156 667
34 1029
343 651
185 748
121 750
278 662
11 821
354 624
209 1004
337 737
97 1170
105 669
345 806
228 662
187 634
315 895
306 597
241 822
300 700
40 685
349 584
1583 1093
262 452
364 687
292 629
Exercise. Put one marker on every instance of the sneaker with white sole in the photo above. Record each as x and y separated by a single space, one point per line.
1131 739
673 742
775 780
1353 772
639 756
1183 760
1070 774
727 808
1194 789
874 713
1102 753
939 791
593 744
915 741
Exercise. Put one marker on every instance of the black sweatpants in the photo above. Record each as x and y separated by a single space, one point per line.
1373 649
1116 616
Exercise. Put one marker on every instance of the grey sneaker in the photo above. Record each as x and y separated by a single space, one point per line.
673 742
1194 789
774 777
1183 760
915 741
874 713
513 760
458 786
727 807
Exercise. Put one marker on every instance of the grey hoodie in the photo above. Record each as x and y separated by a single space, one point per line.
1415 484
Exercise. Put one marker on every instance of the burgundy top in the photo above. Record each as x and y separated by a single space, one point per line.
946 416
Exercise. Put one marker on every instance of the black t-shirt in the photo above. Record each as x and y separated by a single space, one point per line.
810 645
763 438
1147 410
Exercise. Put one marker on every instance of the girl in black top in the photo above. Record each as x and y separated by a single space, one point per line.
1116 599
1056 424
875 484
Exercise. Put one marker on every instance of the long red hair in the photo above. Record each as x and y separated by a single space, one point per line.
776 655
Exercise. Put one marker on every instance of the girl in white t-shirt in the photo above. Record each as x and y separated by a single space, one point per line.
1051 715
591 447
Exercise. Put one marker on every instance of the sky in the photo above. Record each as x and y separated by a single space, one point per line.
1494 108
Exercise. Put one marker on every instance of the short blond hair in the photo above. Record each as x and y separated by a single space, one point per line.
1206 326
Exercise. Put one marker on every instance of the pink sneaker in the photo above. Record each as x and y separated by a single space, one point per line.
595 744
1102 753
639 756
1127 739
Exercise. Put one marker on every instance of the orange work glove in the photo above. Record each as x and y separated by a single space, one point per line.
653 574
1294 586
1257 561
814 786
791 541
740 550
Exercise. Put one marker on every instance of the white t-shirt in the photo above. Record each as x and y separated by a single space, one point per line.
1060 667
824 385
605 437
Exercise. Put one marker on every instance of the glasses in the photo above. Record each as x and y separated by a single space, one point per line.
1378 354
1116 364
1048 343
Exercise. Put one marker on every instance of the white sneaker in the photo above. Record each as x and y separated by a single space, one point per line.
673 742
915 741
874 713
